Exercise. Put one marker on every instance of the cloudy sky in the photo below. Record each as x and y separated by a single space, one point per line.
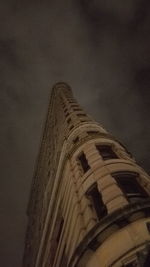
102 49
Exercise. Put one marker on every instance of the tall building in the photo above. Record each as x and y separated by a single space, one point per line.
89 204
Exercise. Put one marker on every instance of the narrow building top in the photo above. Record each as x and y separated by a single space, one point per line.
61 86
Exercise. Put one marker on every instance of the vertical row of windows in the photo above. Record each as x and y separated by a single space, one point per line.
93 193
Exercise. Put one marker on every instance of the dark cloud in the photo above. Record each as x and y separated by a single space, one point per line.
101 48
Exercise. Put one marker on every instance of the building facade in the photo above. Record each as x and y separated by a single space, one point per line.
89 204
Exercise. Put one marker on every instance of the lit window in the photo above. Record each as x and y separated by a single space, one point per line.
128 183
84 162
97 202
106 152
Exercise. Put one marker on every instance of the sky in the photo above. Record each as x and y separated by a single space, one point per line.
102 49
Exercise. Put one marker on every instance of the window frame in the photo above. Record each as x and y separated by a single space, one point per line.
139 193
111 154
96 198
83 162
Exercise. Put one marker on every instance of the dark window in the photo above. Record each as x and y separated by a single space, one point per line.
69 120
72 101
92 132
74 105
67 114
131 264
63 261
130 186
106 152
77 109
84 162
60 229
71 127
148 226
98 204
55 237
76 140
81 114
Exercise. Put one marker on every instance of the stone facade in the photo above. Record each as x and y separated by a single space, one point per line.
89 204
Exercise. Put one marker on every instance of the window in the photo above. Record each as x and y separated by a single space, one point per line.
67 114
74 105
72 101
77 109
63 104
56 237
76 140
106 152
84 162
97 202
132 264
128 183
71 127
60 229
83 117
69 120
81 114
63 261
92 132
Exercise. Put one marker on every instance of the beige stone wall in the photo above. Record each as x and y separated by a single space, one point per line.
120 247
64 227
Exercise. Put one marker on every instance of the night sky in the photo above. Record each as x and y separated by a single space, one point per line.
102 49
